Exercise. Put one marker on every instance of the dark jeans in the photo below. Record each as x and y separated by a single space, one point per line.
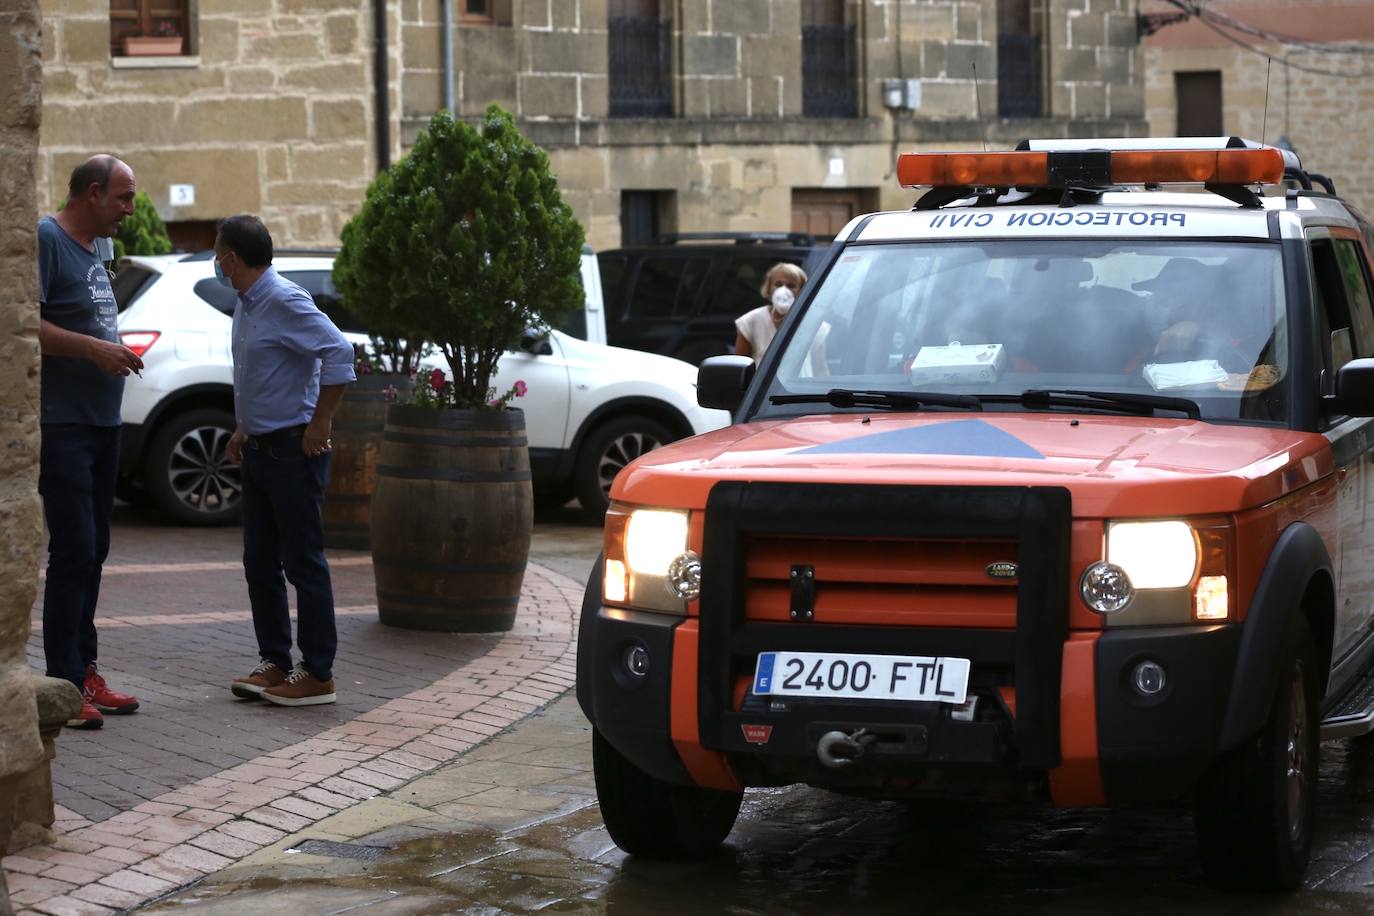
283 493
76 477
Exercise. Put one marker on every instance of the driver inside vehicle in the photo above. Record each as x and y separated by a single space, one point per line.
1207 314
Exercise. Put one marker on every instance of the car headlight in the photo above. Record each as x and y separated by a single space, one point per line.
648 564
1153 554
1178 572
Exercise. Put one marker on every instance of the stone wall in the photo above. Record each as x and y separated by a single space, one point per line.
272 114
20 526
738 145
1321 114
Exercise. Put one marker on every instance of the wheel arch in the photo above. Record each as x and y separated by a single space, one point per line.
1297 579
192 397
133 445
653 408
1319 607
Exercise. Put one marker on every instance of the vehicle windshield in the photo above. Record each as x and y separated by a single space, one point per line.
1197 320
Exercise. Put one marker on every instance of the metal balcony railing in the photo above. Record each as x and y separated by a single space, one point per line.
829 87
1018 76
641 67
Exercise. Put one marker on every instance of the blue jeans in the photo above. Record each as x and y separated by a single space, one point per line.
76 478
283 532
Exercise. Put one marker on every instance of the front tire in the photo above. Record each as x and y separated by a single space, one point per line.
653 819
187 473
1256 806
606 450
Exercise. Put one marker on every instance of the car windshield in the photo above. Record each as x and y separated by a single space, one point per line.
1200 320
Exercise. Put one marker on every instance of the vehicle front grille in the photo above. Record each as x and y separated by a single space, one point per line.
900 570
883 581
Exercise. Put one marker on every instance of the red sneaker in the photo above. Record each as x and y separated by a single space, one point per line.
88 718
98 694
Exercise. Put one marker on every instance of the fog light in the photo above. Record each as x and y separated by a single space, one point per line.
1106 588
1148 678
1211 598
636 660
684 576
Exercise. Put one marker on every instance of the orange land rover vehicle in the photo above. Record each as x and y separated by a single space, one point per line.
1057 486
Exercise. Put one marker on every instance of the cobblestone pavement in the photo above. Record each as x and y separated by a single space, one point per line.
197 779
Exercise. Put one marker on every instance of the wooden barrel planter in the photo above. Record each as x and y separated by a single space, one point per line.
451 518
357 434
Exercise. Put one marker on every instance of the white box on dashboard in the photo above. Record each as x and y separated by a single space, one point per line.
960 364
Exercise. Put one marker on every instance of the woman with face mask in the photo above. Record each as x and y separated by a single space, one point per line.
755 329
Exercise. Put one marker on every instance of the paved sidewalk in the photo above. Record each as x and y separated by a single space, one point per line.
511 827
197 780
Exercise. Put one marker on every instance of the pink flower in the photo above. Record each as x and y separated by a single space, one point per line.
364 369
520 389
436 379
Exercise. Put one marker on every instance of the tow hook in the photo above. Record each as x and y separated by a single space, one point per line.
837 750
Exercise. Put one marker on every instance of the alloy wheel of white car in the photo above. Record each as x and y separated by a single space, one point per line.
190 473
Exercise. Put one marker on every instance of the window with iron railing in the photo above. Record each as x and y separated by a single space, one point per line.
142 28
639 45
829 87
1018 61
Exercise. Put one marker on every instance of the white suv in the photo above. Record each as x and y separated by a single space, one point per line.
590 410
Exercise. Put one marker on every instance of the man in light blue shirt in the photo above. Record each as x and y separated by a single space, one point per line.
290 368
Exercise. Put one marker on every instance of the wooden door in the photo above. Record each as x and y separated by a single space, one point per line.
824 211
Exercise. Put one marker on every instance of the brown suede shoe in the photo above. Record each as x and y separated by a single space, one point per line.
265 675
301 689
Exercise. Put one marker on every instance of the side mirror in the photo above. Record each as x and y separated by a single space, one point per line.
535 341
1355 389
722 381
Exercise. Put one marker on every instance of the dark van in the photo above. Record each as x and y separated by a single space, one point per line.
680 295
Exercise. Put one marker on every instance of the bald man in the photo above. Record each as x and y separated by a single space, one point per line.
84 366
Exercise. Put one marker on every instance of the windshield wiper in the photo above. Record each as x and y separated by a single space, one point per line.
844 397
1145 404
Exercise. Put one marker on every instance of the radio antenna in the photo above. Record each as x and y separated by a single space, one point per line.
1264 125
978 101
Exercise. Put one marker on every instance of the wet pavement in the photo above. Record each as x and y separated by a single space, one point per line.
513 828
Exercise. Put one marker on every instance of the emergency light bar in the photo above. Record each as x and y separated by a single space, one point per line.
1093 167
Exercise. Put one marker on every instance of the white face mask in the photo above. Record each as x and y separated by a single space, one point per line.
782 300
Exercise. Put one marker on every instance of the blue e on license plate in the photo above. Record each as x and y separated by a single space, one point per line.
932 679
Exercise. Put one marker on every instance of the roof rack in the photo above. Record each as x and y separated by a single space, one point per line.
739 238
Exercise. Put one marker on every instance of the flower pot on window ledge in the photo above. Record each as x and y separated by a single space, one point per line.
153 46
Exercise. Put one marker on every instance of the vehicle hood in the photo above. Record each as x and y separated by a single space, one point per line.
1113 466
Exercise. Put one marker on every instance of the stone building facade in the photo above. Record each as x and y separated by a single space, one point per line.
20 520
769 114
681 115
268 107
1199 82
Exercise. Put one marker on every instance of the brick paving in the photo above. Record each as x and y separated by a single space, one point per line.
198 779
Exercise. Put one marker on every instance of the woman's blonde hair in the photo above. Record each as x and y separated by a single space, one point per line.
791 271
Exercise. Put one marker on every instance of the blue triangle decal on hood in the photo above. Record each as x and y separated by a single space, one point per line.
973 438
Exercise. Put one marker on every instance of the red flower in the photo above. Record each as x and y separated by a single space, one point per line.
520 389
436 379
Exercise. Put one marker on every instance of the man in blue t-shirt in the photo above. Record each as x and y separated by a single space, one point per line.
84 366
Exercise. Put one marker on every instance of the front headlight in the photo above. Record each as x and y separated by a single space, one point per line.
653 539
1178 571
1153 554
642 546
